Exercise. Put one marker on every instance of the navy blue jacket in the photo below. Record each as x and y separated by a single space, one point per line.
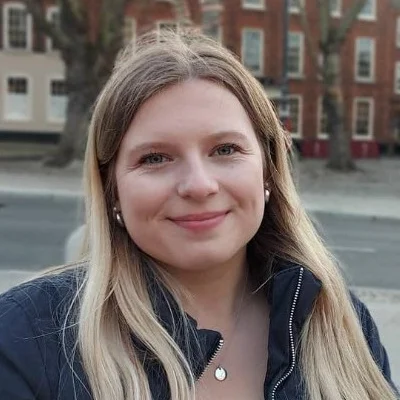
34 363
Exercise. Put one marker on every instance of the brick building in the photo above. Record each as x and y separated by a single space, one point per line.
32 93
370 68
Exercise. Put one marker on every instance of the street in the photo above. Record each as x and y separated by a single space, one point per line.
33 231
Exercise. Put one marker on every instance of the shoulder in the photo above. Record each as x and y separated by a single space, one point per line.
32 333
43 297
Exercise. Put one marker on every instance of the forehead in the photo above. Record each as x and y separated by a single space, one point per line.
187 110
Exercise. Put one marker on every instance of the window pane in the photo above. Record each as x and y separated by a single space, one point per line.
294 48
252 50
212 22
16 104
323 122
17 28
364 58
397 78
363 115
368 9
253 3
58 100
334 6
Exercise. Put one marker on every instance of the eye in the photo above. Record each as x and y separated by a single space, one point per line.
226 149
153 158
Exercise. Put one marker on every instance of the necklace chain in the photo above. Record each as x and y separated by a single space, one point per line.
220 372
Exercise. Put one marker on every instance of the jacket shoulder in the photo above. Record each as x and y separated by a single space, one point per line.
32 317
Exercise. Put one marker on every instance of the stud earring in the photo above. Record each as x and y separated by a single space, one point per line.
118 217
267 194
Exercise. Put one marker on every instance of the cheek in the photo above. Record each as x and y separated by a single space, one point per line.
140 199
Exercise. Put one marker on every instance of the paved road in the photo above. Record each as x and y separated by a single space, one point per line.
33 232
368 249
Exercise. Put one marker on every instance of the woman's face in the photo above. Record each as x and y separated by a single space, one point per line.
190 177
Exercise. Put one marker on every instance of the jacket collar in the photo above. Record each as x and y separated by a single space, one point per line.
291 293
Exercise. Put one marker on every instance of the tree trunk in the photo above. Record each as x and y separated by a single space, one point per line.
82 93
340 157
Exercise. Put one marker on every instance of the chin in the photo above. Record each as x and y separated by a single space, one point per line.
202 262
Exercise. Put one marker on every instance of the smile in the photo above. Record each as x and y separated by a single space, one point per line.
200 222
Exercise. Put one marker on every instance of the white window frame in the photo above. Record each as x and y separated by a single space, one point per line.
17 75
396 87
261 71
299 133
133 23
398 32
6 40
48 116
371 121
293 9
248 6
363 17
362 79
320 134
299 74
337 13
49 11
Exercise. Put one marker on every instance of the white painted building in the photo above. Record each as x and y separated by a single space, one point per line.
32 89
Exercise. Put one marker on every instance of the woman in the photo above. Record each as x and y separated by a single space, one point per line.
205 279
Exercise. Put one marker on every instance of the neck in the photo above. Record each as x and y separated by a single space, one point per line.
215 293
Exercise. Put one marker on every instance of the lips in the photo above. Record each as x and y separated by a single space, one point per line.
199 217
200 222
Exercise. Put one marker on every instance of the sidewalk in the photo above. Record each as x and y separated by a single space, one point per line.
372 191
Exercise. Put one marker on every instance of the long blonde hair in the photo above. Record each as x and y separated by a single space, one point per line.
335 359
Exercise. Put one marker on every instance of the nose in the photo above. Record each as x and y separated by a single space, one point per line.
197 181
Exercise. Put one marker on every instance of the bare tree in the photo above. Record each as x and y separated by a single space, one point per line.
88 38
331 40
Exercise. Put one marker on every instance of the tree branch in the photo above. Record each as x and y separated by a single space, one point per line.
110 38
347 20
35 8
324 17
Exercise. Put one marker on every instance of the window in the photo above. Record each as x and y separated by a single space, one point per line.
129 30
252 50
212 21
53 16
295 115
254 4
368 12
17 27
398 32
335 7
322 119
294 5
58 99
365 59
295 53
17 99
363 117
397 78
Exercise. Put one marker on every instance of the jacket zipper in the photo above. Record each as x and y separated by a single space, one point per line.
292 349
212 358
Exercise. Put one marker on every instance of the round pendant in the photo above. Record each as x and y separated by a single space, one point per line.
220 374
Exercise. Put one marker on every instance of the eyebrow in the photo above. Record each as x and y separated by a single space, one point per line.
220 135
